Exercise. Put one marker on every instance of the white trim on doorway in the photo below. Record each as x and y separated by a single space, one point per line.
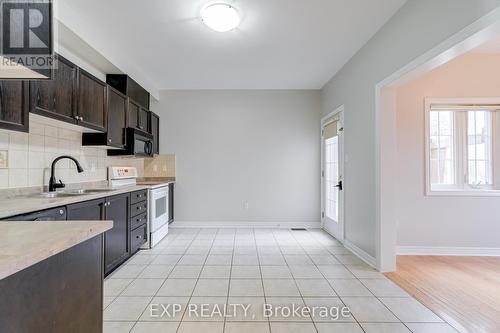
339 111
465 40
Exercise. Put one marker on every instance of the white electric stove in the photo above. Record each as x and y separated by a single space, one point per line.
157 202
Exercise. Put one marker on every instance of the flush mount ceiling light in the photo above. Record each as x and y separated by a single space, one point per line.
221 17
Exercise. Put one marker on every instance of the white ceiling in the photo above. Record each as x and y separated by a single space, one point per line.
280 44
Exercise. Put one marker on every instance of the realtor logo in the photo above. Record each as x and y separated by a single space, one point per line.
26 35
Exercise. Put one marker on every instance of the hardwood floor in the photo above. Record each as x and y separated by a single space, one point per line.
464 291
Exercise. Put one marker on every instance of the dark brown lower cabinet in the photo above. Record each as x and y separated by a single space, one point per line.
58 295
117 239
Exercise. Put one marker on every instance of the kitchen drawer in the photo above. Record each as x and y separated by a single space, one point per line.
139 196
137 238
138 220
138 208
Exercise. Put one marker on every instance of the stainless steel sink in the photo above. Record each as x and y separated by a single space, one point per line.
71 193
55 194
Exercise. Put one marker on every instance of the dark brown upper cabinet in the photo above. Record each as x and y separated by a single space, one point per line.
14 105
144 120
56 98
92 110
155 130
115 134
126 85
117 118
133 114
138 117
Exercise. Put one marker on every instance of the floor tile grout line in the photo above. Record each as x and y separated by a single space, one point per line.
229 283
307 254
196 283
368 290
342 264
138 319
296 285
261 279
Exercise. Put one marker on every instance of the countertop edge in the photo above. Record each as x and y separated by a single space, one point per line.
12 263
63 201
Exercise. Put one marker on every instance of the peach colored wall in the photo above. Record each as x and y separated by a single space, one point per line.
442 221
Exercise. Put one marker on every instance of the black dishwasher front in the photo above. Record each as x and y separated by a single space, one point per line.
54 214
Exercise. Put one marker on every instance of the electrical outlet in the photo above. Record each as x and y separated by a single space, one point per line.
4 159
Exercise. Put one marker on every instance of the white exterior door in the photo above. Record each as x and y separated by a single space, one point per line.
332 175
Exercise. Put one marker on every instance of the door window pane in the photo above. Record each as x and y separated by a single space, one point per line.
331 177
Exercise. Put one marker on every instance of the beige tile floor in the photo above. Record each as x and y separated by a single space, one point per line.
256 267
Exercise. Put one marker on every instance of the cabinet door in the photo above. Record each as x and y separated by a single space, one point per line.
116 240
144 120
14 105
86 211
117 118
65 78
155 130
56 98
133 114
92 111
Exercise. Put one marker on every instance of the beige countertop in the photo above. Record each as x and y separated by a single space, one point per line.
24 244
154 181
17 205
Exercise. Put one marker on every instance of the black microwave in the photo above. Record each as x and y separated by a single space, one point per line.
139 143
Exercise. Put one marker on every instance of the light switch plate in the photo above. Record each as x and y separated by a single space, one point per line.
4 159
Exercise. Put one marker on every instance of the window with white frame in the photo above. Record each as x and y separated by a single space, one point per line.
462 147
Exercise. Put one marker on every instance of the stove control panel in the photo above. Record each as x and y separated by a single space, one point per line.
121 173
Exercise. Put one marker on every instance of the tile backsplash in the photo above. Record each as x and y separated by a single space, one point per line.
160 166
25 158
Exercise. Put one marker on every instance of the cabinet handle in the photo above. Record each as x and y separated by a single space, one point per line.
61 212
54 103
81 118
109 140
38 98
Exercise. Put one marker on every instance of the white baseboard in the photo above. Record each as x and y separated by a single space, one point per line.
448 251
243 224
370 260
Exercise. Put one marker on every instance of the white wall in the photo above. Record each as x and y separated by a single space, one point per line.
232 147
416 28
442 221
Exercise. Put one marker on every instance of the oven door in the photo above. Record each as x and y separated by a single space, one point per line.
159 208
